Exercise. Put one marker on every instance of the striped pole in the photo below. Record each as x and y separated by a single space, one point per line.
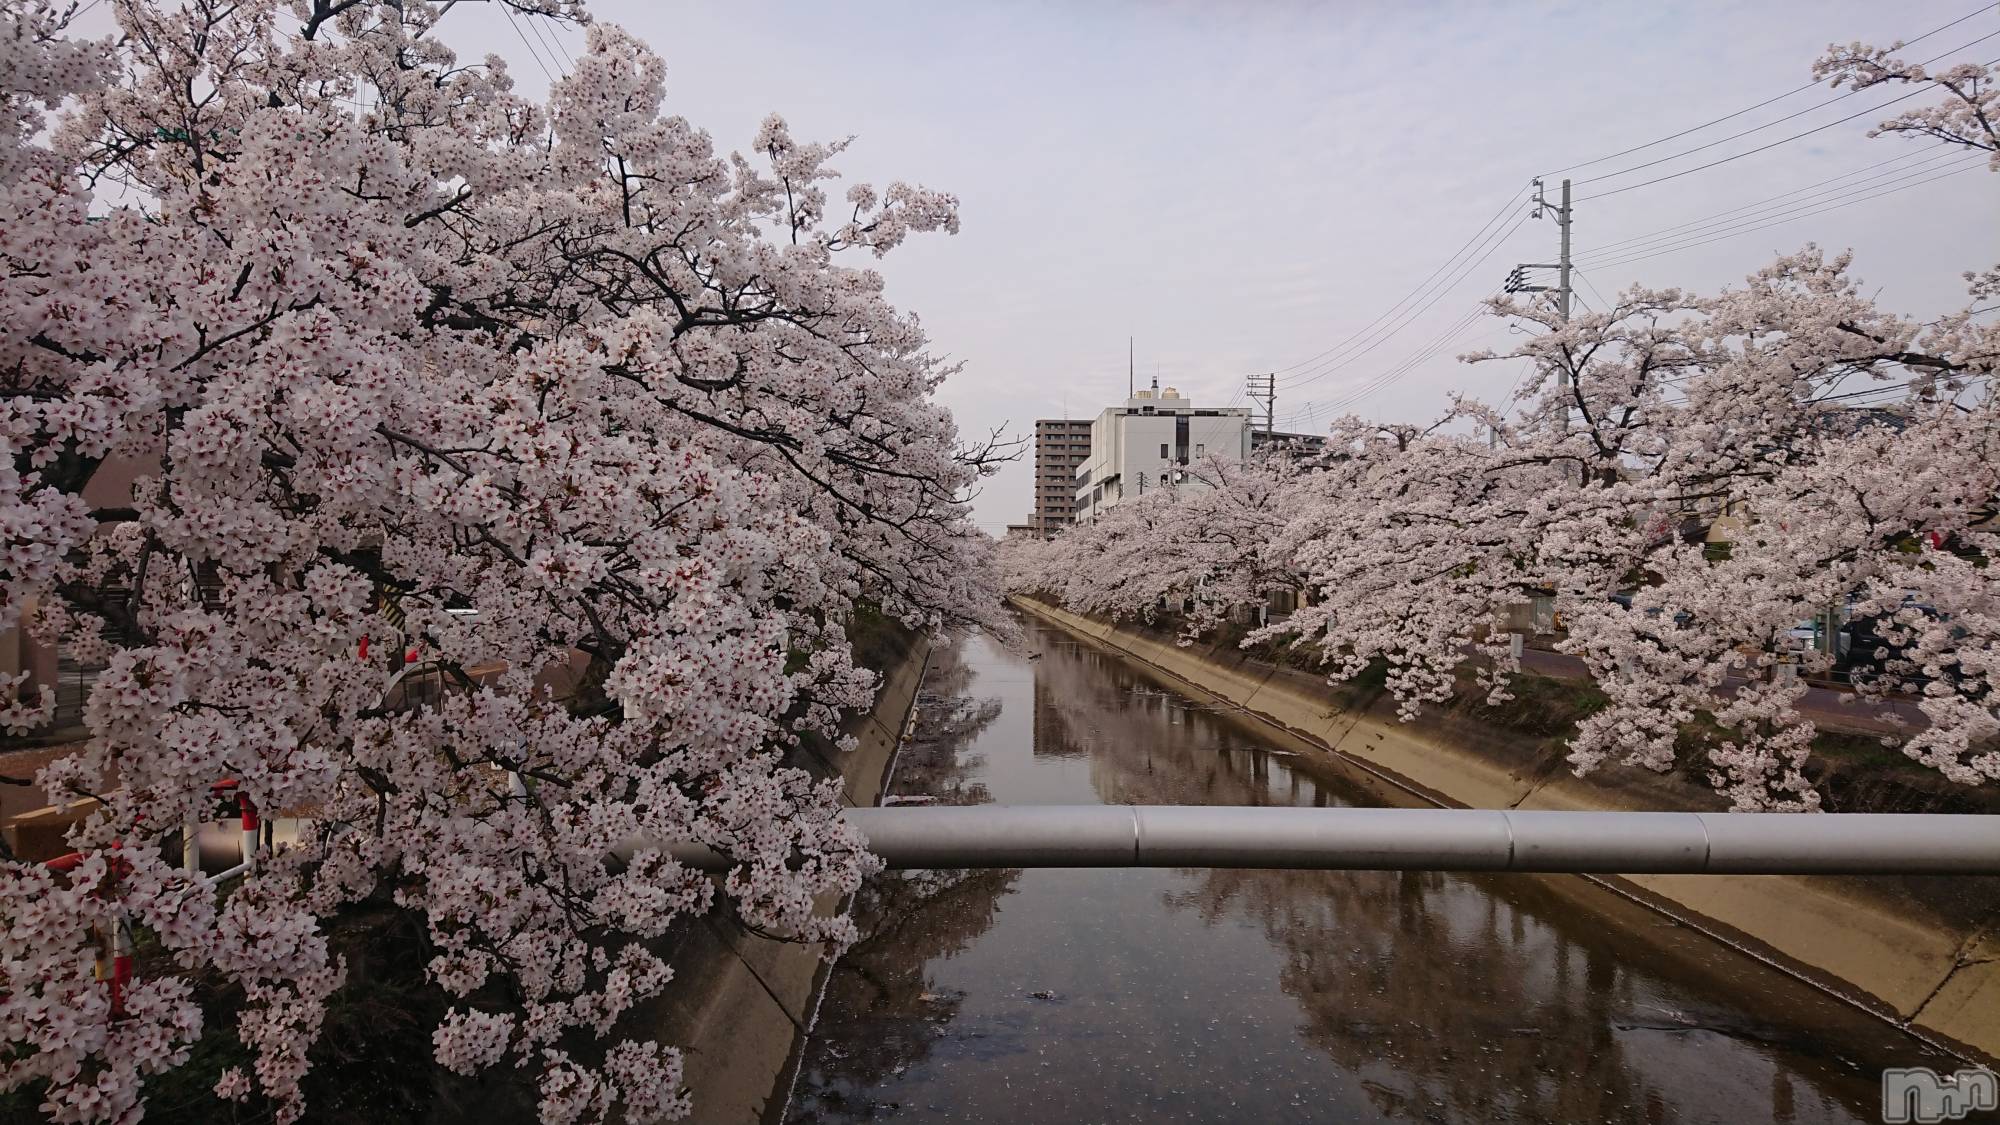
113 962
251 829
121 965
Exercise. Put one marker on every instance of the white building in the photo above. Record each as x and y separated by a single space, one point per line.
1138 447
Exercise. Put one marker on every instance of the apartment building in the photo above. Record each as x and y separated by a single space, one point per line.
1061 444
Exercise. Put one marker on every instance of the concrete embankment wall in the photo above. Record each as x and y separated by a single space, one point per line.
1924 952
740 1004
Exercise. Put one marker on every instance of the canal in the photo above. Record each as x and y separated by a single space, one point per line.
1274 996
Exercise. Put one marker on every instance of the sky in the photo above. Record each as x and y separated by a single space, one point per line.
1239 187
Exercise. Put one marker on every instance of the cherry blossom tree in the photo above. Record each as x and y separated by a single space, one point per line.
597 427
1201 546
1665 412
1890 510
1968 116
1758 430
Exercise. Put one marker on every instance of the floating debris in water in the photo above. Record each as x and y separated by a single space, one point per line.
1043 994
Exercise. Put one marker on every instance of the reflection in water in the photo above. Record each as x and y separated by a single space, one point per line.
1087 996
881 1014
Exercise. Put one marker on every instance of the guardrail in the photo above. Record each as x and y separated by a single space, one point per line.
1415 840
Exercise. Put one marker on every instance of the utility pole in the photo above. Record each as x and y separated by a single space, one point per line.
1562 220
1517 281
1264 388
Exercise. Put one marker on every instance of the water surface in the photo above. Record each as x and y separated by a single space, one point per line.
1275 996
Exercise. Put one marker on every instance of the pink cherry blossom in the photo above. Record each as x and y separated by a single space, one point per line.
611 429
1665 414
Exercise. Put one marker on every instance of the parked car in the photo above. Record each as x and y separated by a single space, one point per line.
1803 636
1863 650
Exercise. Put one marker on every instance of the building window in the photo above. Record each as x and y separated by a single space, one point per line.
1163 451
1200 449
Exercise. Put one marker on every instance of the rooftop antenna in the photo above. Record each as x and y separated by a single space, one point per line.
1131 385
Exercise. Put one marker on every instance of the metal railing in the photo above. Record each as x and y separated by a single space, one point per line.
1416 840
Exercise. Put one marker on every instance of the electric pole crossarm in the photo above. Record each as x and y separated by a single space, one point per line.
1517 281
1264 388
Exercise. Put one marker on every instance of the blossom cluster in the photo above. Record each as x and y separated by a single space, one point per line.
1686 479
553 408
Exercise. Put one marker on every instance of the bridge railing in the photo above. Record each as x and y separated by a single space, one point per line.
1415 840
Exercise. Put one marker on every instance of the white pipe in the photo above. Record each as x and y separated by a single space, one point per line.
1414 840
226 873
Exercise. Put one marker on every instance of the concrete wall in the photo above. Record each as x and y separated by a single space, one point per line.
740 1005
1925 953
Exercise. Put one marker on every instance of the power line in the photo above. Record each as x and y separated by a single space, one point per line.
1592 287
1514 392
554 44
1493 244
1794 209
1968 166
1826 381
1749 109
1410 364
1393 373
1782 199
1499 239
1964 385
1831 381
1421 286
1761 148
1332 359
1779 121
508 11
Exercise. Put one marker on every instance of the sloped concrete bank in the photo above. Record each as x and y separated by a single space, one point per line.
740 1004
1923 952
